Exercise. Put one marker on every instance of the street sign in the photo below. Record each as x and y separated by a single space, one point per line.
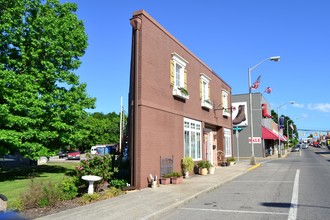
237 128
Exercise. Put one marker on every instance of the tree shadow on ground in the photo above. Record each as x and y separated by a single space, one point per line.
27 172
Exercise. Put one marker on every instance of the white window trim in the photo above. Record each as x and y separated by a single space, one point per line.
227 142
226 109
178 60
205 102
190 130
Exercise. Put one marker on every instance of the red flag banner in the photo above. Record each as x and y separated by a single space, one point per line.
268 90
256 83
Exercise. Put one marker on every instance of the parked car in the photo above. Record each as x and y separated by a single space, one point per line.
74 155
62 153
296 149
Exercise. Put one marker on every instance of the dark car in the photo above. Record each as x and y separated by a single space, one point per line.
74 155
62 153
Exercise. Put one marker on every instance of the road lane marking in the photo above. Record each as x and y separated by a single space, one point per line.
235 211
263 181
294 199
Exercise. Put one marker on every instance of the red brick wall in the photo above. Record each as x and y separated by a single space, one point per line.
160 114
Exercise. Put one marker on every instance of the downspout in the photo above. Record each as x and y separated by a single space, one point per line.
136 24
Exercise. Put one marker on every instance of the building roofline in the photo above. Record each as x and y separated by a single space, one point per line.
151 19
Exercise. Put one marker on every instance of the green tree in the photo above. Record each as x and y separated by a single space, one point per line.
102 129
41 98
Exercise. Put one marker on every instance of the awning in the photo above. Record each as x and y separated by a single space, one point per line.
283 137
268 134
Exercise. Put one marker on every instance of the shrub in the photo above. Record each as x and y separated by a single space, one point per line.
88 198
119 184
230 159
40 195
204 164
97 165
68 188
188 164
173 174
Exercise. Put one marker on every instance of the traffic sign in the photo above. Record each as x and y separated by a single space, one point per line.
237 128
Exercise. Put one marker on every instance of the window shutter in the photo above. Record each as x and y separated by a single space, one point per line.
200 88
185 78
172 72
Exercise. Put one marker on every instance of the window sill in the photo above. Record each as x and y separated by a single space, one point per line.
206 105
226 113
177 93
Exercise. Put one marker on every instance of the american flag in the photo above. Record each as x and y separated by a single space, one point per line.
256 83
268 90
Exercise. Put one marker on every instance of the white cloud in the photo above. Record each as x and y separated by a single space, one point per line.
304 116
322 107
298 105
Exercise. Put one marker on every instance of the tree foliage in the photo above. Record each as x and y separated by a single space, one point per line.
287 121
41 98
102 129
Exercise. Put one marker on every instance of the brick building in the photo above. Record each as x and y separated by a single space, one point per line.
178 106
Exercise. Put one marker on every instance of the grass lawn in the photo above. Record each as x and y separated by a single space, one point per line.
16 181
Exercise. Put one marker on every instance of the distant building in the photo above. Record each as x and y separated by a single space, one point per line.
177 105
265 130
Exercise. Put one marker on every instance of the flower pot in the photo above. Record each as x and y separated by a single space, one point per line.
203 171
211 170
176 180
164 181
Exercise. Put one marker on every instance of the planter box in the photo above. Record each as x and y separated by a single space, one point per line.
203 171
176 180
164 181
211 170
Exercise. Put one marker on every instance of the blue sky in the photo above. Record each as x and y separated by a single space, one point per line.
230 37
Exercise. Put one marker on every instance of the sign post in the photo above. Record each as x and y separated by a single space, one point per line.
236 129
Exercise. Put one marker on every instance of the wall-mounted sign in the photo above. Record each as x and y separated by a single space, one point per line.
256 140
239 114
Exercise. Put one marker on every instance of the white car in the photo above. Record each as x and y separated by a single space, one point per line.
304 146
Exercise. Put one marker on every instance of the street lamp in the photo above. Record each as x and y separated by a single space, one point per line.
276 58
279 128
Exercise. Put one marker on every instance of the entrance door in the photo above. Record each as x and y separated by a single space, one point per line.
208 144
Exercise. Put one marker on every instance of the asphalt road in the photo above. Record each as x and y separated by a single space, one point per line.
295 187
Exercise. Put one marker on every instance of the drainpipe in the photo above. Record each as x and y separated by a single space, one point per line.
136 24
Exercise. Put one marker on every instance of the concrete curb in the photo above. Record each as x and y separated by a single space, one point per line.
254 167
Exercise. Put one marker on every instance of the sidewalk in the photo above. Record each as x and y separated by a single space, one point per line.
150 203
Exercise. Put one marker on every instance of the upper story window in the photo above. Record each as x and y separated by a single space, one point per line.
178 75
205 91
225 103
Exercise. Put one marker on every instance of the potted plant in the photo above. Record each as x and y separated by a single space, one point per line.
184 91
165 179
187 165
211 169
231 160
203 166
176 178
